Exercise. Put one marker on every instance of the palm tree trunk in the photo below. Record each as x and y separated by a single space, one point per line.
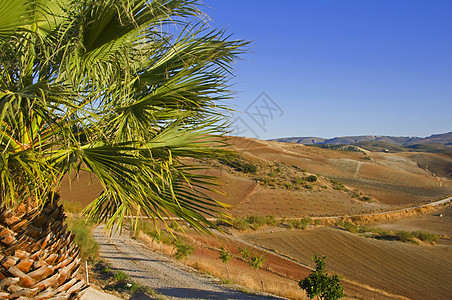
38 259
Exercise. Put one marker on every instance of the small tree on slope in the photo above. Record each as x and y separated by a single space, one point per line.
319 283
225 257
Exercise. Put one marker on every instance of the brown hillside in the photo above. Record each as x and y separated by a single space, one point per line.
363 182
390 178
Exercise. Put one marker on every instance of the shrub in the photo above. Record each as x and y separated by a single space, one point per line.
338 185
299 224
183 250
311 178
308 186
120 276
83 237
288 186
265 180
241 223
239 163
244 253
426 236
320 284
292 224
306 221
350 227
404 236
254 222
300 180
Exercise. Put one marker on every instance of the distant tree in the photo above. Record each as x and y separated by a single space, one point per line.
225 257
320 284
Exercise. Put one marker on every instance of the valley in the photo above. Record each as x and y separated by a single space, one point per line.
268 178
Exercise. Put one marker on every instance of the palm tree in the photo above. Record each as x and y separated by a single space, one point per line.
130 90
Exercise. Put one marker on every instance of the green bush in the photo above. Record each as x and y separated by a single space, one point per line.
288 186
308 186
183 250
292 224
241 223
320 284
306 221
267 181
338 185
89 248
311 178
350 227
404 236
299 224
120 276
255 222
426 236
300 180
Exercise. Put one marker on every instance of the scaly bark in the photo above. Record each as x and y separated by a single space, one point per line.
38 259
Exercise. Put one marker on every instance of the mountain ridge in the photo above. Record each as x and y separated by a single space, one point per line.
444 138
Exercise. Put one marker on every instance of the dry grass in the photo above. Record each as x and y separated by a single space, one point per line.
374 218
240 273
368 218
248 279
156 246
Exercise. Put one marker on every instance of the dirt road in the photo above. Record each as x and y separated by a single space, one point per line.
166 277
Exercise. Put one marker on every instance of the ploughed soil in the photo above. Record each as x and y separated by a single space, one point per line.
438 222
413 271
279 273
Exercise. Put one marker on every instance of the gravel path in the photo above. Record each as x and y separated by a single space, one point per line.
160 273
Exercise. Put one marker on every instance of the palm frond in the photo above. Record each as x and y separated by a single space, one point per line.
125 89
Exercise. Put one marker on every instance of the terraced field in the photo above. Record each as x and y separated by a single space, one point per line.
417 272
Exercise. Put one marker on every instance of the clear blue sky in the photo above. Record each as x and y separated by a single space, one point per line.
339 68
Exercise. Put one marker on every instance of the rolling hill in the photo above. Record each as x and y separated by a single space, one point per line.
444 139
290 180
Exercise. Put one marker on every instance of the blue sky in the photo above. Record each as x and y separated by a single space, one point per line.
336 68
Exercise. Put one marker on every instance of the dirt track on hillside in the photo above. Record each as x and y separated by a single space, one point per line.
165 276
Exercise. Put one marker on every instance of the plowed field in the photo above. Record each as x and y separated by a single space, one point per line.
417 272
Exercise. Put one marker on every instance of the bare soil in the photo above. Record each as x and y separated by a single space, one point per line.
390 178
417 272
438 222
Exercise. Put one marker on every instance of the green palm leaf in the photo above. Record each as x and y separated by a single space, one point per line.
130 90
